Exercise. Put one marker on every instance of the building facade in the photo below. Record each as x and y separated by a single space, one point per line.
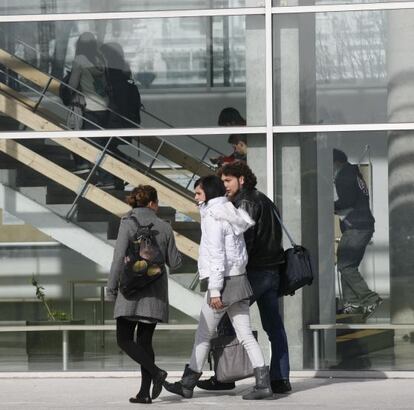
308 77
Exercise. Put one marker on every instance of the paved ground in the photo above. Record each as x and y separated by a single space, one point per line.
113 393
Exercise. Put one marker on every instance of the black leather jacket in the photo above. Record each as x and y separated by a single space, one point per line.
264 240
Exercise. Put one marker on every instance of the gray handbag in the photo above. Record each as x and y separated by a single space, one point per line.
231 362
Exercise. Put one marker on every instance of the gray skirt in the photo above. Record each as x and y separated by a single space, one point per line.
235 289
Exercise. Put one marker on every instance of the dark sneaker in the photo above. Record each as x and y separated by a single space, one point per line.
138 399
350 308
213 384
370 309
281 386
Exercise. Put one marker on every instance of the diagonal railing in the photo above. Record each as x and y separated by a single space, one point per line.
177 154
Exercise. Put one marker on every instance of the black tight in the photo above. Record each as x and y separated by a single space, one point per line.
140 351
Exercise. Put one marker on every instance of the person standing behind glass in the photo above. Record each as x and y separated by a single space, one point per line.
151 306
120 83
222 264
357 227
88 75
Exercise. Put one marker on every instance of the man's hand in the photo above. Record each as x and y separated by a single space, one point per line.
216 303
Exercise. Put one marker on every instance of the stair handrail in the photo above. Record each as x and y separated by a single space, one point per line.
51 78
68 110
104 149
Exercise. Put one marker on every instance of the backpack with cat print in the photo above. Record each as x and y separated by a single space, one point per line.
144 261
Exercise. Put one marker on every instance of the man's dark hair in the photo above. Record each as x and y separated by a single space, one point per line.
339 156
230 116
212 186
236 138
239 169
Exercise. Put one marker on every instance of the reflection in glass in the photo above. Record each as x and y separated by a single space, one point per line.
344 67
66 252
175 63
294 3
92 6
373 179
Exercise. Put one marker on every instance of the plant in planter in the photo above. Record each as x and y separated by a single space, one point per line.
40 344
51 314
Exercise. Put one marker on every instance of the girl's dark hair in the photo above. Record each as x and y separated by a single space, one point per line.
114 56
230 116
141 196
88 46
239 169
212 186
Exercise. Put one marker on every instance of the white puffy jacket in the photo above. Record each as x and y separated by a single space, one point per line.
222 248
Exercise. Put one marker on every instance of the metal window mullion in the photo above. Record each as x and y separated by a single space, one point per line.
269 100
205 132
130 132
130 15
333 8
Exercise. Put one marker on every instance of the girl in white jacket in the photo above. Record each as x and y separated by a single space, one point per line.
222 264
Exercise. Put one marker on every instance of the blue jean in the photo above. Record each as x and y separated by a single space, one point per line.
265 286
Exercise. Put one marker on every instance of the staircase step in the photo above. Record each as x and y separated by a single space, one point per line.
190 230
7 162
8 123
27 177
55 153
58 194
362 342
350 318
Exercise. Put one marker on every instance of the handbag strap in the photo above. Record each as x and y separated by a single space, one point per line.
284 228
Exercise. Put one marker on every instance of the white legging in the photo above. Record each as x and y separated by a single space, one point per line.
209 319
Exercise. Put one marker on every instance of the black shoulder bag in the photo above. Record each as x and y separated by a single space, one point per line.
298 268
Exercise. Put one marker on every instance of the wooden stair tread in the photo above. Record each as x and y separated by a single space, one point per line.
358 334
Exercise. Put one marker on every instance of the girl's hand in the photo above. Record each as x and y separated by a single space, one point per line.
216 303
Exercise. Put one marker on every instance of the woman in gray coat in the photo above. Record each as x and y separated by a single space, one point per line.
151 305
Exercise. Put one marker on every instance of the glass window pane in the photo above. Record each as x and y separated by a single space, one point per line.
68 255
93 6
345 67
186 70
328 200
293 3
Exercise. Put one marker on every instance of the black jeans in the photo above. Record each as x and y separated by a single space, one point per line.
141 350
265 286
100 118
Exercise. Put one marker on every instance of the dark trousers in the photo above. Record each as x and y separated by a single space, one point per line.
265 286
351 250
141 350
92 121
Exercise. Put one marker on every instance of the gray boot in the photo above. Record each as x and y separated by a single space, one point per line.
262 388
186 385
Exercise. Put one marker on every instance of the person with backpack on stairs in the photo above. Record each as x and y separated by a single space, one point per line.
148 304
222 268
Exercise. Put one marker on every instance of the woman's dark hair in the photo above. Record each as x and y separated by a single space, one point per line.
88 46
230 116
239 169
141 196
115 57
212 186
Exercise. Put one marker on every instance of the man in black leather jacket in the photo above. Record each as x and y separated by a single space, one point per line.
264 247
